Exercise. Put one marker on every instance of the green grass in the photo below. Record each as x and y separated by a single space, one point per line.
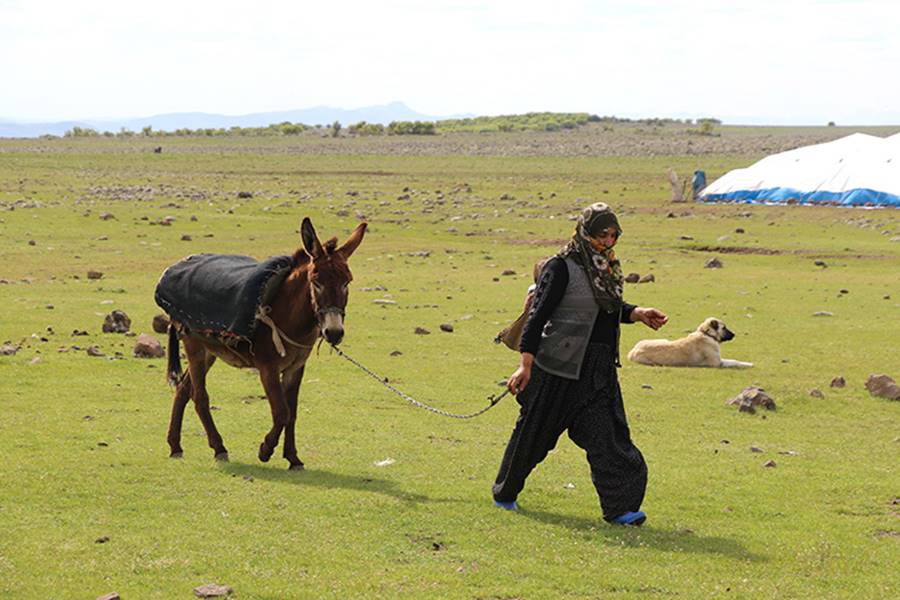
823 523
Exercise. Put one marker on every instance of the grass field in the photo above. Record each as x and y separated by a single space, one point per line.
82 438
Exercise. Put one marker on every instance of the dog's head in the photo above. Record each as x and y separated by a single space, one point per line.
715 329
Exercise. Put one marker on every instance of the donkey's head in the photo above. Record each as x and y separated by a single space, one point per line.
329 278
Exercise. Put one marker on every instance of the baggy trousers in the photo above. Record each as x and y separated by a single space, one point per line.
591 410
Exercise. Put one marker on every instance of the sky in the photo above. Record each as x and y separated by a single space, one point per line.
752 62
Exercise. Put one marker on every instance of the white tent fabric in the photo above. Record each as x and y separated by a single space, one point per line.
857 170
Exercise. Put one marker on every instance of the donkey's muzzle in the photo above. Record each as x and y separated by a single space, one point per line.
332 323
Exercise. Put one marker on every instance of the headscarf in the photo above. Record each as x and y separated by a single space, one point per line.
601 266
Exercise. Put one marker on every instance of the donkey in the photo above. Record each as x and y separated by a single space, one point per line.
309 303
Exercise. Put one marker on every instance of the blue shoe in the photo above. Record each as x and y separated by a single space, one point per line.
506 505
630 518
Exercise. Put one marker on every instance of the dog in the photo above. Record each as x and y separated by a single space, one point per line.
698 349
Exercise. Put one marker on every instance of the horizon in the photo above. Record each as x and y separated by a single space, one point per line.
745 63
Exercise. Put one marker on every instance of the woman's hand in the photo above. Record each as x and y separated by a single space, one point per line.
520 378
651 317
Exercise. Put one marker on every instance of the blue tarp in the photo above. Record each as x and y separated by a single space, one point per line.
781 195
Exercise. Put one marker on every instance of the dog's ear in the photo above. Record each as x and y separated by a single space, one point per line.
714 324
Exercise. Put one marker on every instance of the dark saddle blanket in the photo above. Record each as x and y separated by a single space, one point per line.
219 294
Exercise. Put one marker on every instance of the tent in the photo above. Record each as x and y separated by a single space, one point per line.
857 170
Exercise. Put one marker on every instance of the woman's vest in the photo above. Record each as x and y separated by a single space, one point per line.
565 337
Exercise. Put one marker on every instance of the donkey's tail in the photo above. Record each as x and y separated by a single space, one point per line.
173 370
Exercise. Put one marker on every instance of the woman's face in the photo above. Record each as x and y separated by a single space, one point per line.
605 239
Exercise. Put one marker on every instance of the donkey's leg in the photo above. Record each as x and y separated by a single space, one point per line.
290 383
271 382
182 395
199 362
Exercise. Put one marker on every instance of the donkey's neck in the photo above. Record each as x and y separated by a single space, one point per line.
292 308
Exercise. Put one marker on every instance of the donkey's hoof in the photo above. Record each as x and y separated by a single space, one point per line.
179 454
296 467
264 453
222 457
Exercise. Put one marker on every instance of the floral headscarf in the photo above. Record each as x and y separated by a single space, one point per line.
601 267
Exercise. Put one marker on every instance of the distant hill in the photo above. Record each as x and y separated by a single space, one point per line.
384 114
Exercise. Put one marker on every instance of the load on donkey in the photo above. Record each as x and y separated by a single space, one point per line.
216 303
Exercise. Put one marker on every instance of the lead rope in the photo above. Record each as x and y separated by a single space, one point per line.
383 381
277 334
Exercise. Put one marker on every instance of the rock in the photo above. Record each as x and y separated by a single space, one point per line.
646 386
713 263
823 313
186 238
384 301
212 590
883 387
739 230
109 596
632 278
160 323
148 346
446 327
106 216
816 393
93 351
396 353
820 263
844 291
421 331
8 350
102 539
92 274
685 237
245 194
770 464
838 382
32 243
756 449
569 486
751 397
507 272
648 278
385 462
116 322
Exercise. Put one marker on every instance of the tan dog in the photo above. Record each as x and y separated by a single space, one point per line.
699 349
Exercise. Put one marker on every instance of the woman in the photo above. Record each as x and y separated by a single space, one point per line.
567 381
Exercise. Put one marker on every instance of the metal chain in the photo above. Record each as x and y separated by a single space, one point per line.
493 399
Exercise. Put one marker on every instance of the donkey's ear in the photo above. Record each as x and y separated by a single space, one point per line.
353 241
310 239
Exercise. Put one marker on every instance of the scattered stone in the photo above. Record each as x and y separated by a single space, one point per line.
106 216
102 539
756 449
79 332
385 462
823 313
8 350
421 331
160 323
569 486
186 238
32 243
844 291
93 351
648 278
816 393
770 464
507 272
116 322
148 346
34 361
212 590
883 387
446 327
92 274
245 194
646 386
685 237
713 263
820 263
752 397
384 301
788 452
109 596
632 278
739 230
838 382
248 477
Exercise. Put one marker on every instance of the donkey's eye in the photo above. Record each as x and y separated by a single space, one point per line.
317 288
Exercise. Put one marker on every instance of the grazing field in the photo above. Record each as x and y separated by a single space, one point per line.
395 501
